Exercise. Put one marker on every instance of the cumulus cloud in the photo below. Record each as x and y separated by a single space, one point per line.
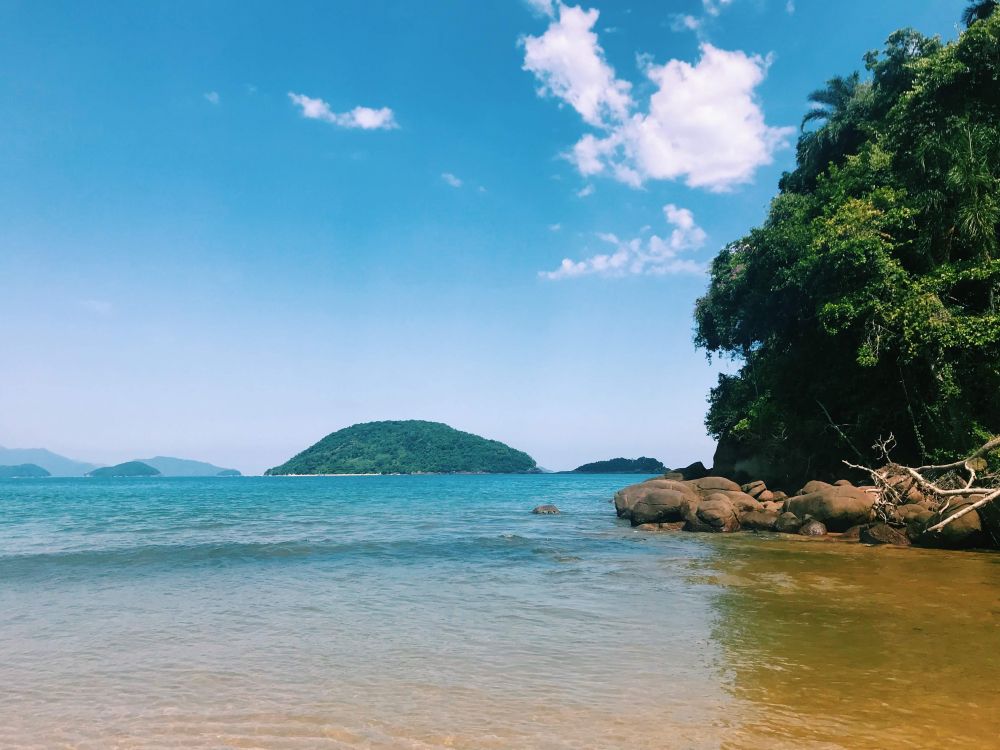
714 7
569 65
702 124
652 256
585 191
212 97
364 118
543 7
790 6
451 179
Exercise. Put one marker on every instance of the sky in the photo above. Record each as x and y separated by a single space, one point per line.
231 228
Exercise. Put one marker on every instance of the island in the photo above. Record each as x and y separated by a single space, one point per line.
406 447
169 466
641 465
23 471
127 469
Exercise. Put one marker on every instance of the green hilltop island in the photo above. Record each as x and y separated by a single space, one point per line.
406 447
23 471
641 465
127 469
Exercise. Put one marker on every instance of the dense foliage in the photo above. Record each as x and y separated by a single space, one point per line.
641 465
866 304
22 471
127 469
406 447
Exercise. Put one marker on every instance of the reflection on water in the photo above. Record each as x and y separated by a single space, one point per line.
438 612
832 645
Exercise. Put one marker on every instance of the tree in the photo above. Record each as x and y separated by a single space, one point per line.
978 10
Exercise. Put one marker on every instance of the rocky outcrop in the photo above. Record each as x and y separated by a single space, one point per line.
716 513
883 533
546 510
759 520
838 507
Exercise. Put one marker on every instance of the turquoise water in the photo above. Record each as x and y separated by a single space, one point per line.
419 612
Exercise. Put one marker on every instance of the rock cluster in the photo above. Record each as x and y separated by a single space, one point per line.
718 505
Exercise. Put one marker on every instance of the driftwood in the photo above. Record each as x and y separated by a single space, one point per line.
941 483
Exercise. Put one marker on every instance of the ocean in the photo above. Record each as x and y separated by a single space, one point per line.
438 612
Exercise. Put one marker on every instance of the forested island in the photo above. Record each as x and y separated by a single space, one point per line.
127 469
865 308
406 447
641 465
23 471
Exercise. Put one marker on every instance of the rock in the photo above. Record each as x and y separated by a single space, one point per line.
754 488
853 533
913 512
765 496
655 501
674 475
670 526
843 483
837 507
788 523
778 495
962 533
989 517
814 486
627 498
812 527
546 510
759 520
714 514
714 484
883 533
696 470
773 506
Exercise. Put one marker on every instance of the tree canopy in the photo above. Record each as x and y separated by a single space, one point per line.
405 447
866 302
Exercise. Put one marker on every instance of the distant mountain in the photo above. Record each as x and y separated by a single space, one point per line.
641 465
56 465
23 471
183 467
406 447
127 469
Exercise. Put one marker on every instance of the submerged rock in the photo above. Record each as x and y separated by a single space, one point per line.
759 520
546 510
669 526
883 533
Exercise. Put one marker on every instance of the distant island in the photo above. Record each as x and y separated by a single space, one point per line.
406 447
127 469
183 467
23 471
53 463
641 465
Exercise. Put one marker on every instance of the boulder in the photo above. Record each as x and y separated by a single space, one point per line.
773 506
742 502
812 527
657 500
754 488
670 526
759 520
546 510
883 533
778 495
696 470
913 512
853 533
837 507
843 483
788 523
814 486
962 533
708 485
714 514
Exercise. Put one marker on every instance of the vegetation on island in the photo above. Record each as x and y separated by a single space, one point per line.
406 447
867 302
127 469
23 471
184 467
641 465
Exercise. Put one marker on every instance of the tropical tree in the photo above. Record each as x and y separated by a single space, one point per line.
978 10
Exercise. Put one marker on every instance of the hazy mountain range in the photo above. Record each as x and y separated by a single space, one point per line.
60 466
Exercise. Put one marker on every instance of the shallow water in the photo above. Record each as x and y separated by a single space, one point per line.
438 612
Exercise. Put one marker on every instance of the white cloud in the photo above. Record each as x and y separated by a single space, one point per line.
790 6
714 7
685 23
653 256
585 191
569 64
364 118
555 227
542 7
212 97
451 179
703 123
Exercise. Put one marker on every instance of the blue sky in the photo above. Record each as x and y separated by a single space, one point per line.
231 228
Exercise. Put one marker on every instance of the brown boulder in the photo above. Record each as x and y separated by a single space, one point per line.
837 507
882 533
653 501
812 527
788 523
708 485
913 512
962 533
546 510
754 488
714 514
853 533
759 520
773 506
670 526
